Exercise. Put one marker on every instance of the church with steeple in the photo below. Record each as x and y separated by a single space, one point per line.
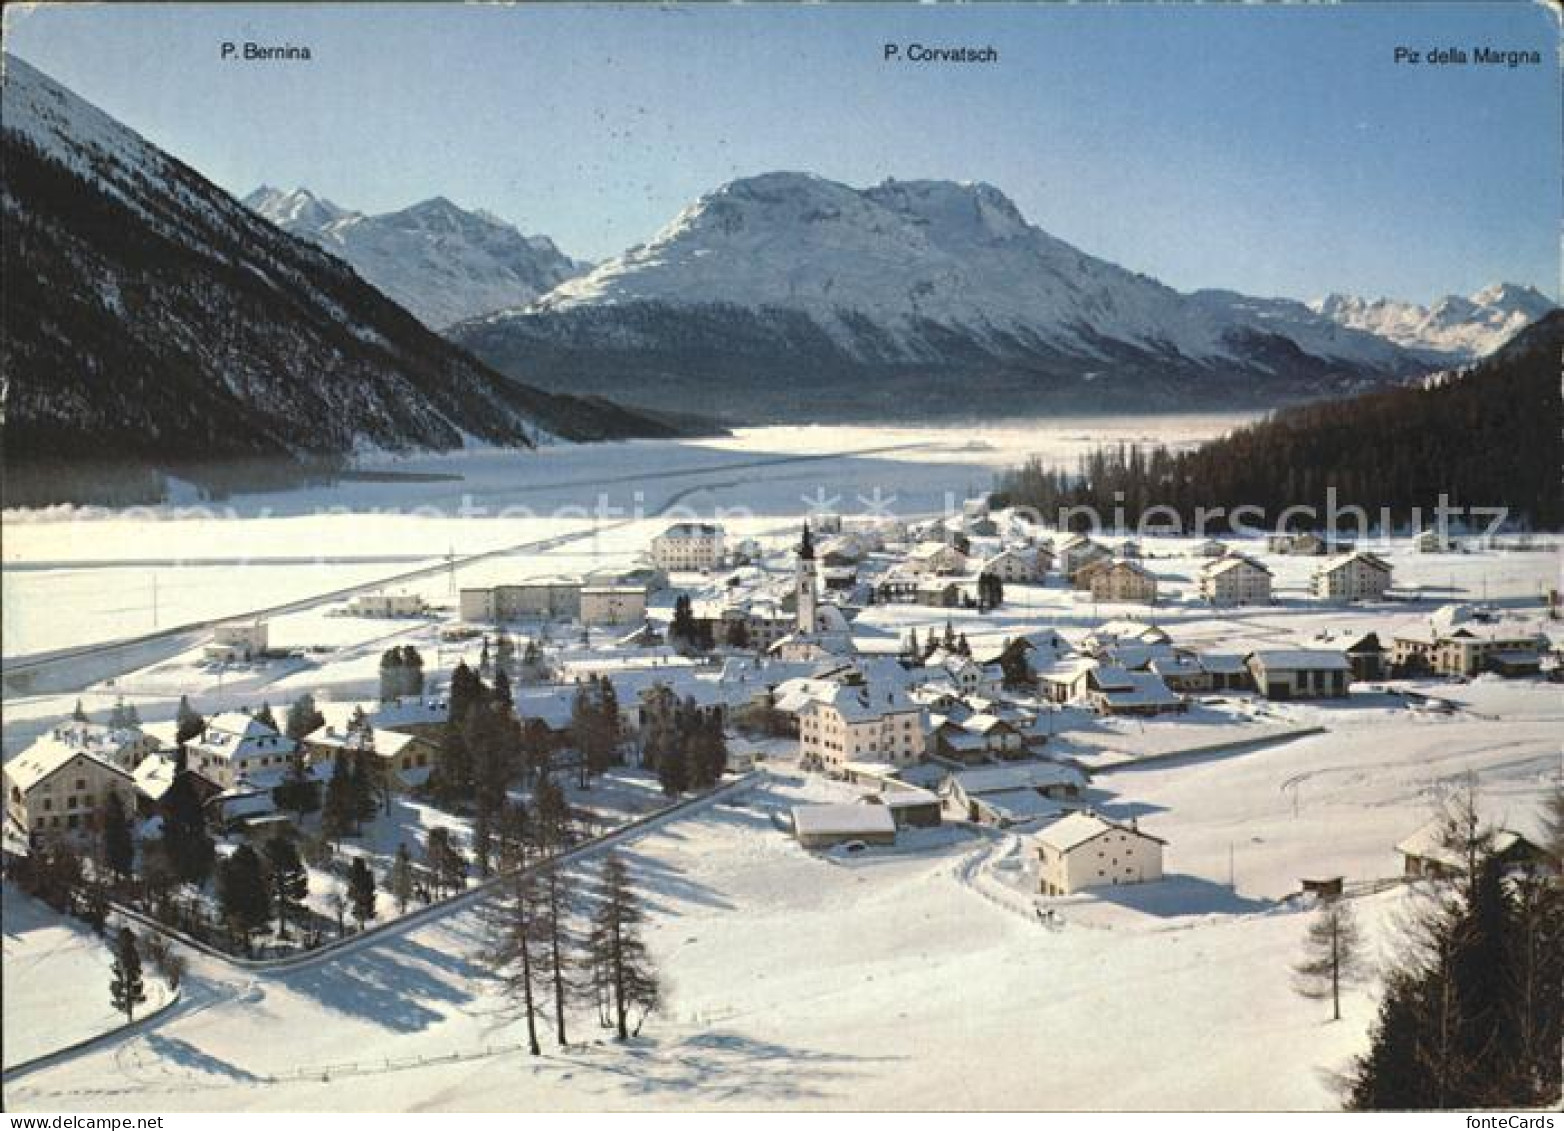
807 607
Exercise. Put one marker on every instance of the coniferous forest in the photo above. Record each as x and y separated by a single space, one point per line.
1487 436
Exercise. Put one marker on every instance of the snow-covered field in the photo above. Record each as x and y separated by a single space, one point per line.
905 978
56 985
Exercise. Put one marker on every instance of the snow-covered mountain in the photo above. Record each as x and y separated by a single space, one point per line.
1455 328
439 261
152 321
944 290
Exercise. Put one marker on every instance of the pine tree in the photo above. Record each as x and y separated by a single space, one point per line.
361 891
188 722
125 987
242 894
265 717
339 812
551 813
673 770
80 715
119 845
447 866
186 842
502 692
617 952
289 881
303 718
402 878
1334 948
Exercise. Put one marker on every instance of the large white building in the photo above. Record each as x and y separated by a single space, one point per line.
688 546
1357 576
237 641
56 789
613 604
545 598
1085 851
1235 580
857 723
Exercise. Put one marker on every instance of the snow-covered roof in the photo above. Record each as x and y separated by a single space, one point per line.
1297 659
692 530
1015 806
842 820
1069 833
1024 775
41 760
1341 561
1218 566
1431 842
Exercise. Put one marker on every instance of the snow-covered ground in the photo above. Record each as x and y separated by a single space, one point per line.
904 978
56 985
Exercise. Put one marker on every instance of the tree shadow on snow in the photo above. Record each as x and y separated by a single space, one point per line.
389 985
186 1055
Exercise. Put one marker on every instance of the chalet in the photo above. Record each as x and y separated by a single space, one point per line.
234 745
826 826
1235 580
1300 673
1010 795
978 738
1084 851
1355 576
56 790
1428 853
1124 581
1081 579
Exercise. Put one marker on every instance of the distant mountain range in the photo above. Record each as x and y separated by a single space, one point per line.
1454 329
439 261
787 296
151 321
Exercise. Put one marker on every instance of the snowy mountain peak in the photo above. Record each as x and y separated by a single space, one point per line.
1456 328
439 260
299 207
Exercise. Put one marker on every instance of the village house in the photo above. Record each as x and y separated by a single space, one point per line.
936 559
1355 576
237 642
978 738
1467 649
1113 690
234 746
1012 795
56 790
1235 580
406 758
1015 566
862 724
1084 851
1363 650
688 547
1429 854
1124 581
1432 541
1300 673
826 826
382 604
1079 551
124 746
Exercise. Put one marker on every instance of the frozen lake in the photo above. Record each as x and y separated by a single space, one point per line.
78 576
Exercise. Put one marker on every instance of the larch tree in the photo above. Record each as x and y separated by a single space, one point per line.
518 941
1333 954
622 967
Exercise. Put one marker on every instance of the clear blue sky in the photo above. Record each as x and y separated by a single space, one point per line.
1275 150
